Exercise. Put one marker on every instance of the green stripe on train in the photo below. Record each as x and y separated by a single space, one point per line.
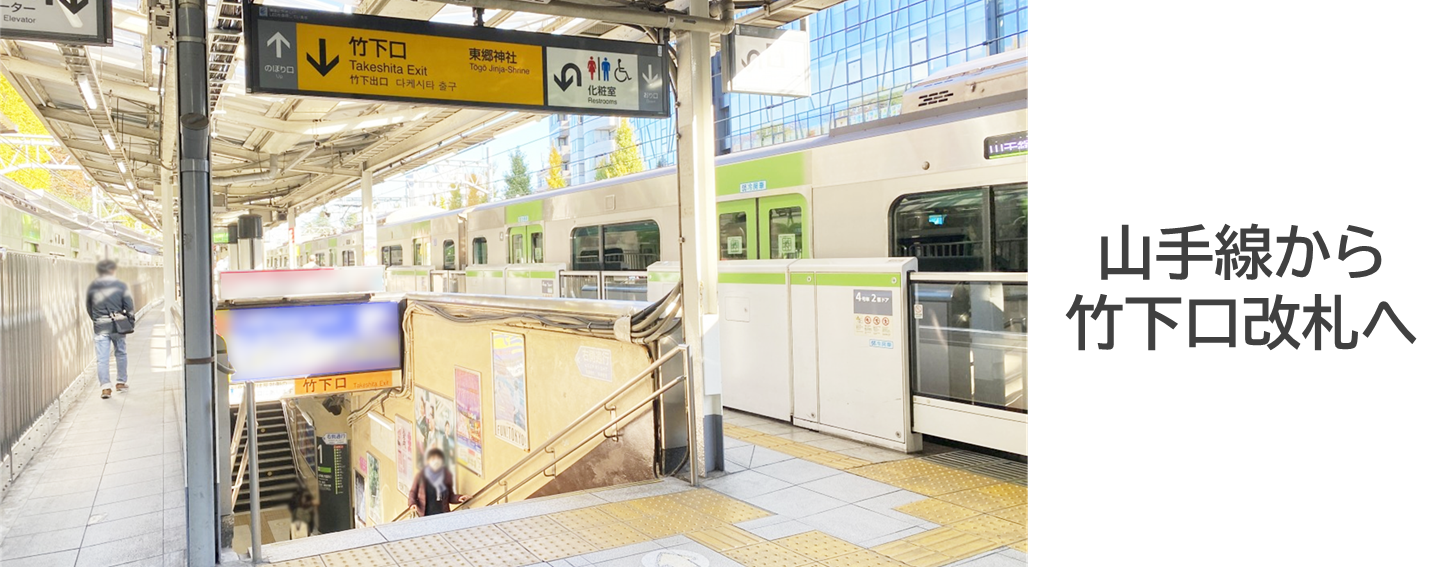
739 278
534 275
667 277
485 273
833 279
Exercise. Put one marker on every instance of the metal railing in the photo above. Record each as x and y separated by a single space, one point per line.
607 431
46 341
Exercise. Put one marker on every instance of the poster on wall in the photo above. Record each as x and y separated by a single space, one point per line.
434 428
403 454
376 491
469 426
359 504
508 368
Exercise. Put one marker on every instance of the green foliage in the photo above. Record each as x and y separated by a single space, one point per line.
556 175
517 182
457 199
626 158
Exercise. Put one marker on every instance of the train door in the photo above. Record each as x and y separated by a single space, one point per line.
769 228
527 244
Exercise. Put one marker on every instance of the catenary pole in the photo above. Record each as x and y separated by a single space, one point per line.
197 302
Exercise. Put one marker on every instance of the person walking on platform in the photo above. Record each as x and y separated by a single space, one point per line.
433 491
109 304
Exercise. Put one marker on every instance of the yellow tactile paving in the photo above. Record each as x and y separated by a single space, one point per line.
669 525
911 554
724 537
1018 514
937 511
557 546
451 560
740 432
531 528
715 505
614 534
767 554
583 518
952 543
817 545
836 460
1021 546
980 501
622 510
799 449
944 481
419 548
371 556
865 558
992 528
766 440
305 562
476 537
1006 490
897 470
505 555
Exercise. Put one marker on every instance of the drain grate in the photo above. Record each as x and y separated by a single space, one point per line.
994 467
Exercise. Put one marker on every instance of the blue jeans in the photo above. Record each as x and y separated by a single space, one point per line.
106 341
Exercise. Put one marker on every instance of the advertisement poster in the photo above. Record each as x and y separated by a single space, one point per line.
359 504
469 425
376 491
434 428
403 454
508 368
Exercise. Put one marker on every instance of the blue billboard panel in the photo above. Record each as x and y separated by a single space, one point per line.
298 341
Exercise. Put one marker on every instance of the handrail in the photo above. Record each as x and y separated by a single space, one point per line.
644 374
238 475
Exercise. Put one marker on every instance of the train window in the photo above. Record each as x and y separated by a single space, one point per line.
945 230
421 252
1010 231
537 247
478 251
392 255
733 235
586 248
616 247
449 254
332 258
517 248
348 257
785 233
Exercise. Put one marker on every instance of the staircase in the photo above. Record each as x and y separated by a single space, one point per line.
277 477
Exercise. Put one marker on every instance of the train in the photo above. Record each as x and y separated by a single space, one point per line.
945 183
35 233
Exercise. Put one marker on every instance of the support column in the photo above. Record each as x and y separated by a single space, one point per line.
167 196
371 227
293 238
197 302
697 195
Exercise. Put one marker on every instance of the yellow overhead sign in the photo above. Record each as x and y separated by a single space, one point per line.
338 55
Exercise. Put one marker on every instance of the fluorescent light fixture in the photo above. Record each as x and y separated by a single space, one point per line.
110 142
85 85
130 186
121 165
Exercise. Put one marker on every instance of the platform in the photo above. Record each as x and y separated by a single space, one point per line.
106 488
790 498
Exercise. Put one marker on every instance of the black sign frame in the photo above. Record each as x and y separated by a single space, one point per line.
102 35
252 13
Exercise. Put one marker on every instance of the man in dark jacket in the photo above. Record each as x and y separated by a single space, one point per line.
106 296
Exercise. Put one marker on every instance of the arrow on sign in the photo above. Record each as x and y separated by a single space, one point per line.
651 75
75 6
564 81
751 56
278 42
322 68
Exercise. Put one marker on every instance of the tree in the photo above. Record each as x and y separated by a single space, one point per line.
478 192
457 198
517 182
556 174
626 159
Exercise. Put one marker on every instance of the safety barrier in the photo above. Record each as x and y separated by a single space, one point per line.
46 343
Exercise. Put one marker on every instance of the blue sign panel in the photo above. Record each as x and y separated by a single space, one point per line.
298 341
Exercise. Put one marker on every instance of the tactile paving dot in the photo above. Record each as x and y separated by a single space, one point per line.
799 449
993 528
911 554
937 511
582 518
980 501
623 511
767 554
740 432
419 548
663 526
817 545
557 546
505 555
451 560
1021 546
476 537
731 511
945 481
531 528
372 556
864 558
768 441
893 471
614 534
836 460
724 537
1018 514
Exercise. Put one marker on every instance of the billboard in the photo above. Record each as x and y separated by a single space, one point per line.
300 341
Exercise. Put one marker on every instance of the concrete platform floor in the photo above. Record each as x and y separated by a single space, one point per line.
790 498
106 487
